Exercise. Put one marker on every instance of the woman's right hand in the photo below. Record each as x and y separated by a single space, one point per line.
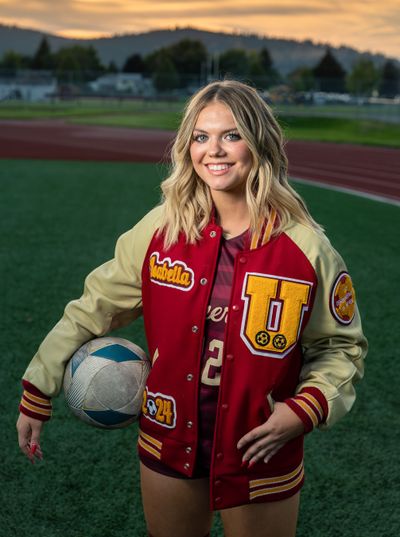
29 431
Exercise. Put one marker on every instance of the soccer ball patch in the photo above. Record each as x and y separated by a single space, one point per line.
343 299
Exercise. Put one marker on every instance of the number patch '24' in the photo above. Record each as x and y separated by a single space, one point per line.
159 408
274 310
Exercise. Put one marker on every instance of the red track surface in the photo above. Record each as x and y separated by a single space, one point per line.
371 170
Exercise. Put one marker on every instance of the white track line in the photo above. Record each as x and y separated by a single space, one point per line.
326 186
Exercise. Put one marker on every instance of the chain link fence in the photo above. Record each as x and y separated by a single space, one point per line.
28 86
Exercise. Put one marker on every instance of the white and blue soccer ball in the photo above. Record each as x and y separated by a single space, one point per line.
104 382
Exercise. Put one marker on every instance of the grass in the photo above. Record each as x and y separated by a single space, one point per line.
60 220
140 120
341 130
166 115
77 108
382 112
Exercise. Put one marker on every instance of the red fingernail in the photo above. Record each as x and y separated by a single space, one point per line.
244 464
33 448
251 464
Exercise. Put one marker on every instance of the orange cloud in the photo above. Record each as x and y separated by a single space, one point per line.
363 24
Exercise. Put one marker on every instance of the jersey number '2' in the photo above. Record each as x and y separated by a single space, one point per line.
274 310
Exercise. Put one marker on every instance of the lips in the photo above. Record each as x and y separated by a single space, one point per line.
218 167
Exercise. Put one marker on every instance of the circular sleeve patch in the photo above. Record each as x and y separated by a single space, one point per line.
343 299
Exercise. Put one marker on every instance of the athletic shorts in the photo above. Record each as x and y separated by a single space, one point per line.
200 471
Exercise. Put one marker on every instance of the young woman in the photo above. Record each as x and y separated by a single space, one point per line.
251 324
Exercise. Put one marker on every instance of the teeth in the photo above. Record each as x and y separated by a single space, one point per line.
218 167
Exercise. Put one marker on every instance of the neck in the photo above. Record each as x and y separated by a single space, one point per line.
233 215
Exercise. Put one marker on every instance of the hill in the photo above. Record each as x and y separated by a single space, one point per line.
287 54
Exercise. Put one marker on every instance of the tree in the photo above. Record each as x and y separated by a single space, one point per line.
134 64
112 67
256 71
301 79
12 61
256 66
329 74
151 61
271 76
68 68
390 80
234 62
165 76
266 60
363 79
189 57
43 58
78 64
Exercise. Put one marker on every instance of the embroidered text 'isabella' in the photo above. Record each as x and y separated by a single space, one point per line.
171 274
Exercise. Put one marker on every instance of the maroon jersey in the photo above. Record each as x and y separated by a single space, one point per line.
214 336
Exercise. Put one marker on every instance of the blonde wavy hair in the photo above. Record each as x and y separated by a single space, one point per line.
186 198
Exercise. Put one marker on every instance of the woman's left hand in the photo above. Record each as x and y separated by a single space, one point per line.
265 441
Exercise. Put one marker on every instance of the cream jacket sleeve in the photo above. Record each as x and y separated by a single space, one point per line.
333 352
111 291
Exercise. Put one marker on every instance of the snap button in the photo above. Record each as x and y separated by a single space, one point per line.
213 234
218 500
195 329
235 307
217 483
203 281
219 456
189 424
189 377
188 449
186 466
229 357
225 406
242 259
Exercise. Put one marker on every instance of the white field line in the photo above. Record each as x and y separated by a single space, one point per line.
359 193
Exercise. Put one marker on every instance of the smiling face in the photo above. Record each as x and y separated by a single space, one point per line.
219 155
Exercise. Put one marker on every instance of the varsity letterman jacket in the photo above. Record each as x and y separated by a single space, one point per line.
293 334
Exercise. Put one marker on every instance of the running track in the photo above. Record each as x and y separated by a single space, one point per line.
370 170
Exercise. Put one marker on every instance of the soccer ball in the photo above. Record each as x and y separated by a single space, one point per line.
151 407
104 382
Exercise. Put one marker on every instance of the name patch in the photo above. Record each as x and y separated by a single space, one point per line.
170 273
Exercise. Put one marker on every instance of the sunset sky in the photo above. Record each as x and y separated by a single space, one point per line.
362 24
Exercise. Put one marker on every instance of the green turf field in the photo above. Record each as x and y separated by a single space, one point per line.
166 115
341 130
61 219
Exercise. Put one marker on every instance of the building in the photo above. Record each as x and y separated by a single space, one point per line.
123 83
28 85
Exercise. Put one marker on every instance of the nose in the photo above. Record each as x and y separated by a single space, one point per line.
215 148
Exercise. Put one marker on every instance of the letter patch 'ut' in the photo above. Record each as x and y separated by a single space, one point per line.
273 314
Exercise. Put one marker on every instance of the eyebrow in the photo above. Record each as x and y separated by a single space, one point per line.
223 132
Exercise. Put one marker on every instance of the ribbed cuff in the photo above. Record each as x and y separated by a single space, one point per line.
34 403
310 406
